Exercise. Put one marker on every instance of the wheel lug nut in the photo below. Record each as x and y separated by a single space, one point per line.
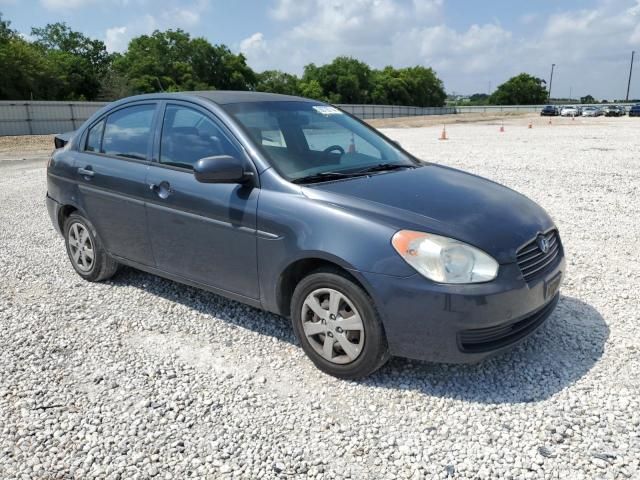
339 330
329 334
332 316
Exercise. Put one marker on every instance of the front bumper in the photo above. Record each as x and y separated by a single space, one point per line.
462 323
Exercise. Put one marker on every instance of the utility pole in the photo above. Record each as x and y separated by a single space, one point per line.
630 72
553 65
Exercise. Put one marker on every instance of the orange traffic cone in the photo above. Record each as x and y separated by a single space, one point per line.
443 135
501 128
530 124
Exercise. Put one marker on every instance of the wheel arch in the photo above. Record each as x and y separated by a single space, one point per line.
302 267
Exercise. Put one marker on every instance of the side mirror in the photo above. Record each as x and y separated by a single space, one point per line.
221 169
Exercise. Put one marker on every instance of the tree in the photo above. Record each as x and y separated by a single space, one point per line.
25 73
344 80
312 89
523 89
6 32
76 62
59 37
275 81
587 99
479 99
176 62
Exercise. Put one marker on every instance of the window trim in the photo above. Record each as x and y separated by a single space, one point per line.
106 115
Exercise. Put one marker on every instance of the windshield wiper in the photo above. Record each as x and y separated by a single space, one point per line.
327 176
383 167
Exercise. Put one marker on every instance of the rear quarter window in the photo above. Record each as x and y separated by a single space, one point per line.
94 138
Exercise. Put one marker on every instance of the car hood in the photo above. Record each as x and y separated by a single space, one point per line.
442 201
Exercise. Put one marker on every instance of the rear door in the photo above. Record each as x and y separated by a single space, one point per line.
202 232
111 172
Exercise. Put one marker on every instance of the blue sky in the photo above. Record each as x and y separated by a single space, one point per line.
472 45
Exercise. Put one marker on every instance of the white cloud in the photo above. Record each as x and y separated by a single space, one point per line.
589 45
290 9
116 39
67 4
253 45
183 16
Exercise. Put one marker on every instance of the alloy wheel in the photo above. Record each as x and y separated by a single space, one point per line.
81 247
333 326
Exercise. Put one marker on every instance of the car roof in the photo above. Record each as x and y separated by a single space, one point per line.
231 96
220 97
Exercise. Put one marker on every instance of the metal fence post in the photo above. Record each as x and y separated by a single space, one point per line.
26 107
73 120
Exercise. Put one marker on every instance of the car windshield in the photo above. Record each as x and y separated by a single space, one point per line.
314 141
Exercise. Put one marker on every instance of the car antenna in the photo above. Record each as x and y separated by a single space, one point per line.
160 84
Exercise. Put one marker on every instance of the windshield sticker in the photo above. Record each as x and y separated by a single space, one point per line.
326 110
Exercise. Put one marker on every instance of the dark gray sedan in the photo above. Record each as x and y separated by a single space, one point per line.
293 206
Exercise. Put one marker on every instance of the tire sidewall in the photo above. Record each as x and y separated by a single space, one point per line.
374 351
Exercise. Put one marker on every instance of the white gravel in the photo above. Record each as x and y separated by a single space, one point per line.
142 377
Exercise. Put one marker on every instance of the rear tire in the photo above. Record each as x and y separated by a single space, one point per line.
86 253
337 325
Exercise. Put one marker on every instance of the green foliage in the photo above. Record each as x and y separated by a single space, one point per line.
275 81
587 99
345 80
523 89
61 63
479 99
173 61
25 72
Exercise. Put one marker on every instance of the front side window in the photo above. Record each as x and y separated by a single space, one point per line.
127 132
305 139
188 136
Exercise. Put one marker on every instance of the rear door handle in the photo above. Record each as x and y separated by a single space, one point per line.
86 172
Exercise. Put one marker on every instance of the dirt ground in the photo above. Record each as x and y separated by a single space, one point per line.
33 146
25 146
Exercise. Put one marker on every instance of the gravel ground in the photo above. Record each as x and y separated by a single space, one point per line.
141 377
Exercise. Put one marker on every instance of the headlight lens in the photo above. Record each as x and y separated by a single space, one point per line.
443 259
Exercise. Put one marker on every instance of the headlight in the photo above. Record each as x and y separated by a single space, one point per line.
443 259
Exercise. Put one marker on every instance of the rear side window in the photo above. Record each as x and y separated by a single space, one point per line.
188 136
128 131
94 139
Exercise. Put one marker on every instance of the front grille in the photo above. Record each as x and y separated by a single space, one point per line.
481 340
533 262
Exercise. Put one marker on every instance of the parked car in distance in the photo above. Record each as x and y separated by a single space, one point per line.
613 111
298 208
591 112
634 111
569 111
549 111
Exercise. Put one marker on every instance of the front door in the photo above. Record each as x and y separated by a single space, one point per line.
111 172
202 232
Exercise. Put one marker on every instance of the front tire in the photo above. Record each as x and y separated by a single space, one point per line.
337 325
88 258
